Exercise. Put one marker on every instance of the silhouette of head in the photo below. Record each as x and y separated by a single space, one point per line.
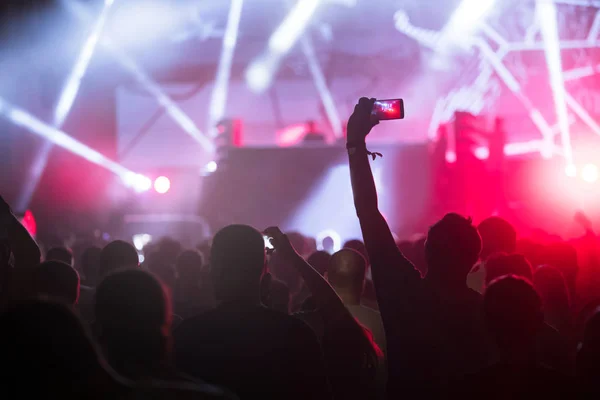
60 254
45 343
189 266
162 266
513 313
133 317
357 245
497 236
319 260
452 248
90 264
238 262
507 264
346 273
57 280
588 357
115 256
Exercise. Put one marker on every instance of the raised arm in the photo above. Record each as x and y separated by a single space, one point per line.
389 267
328 302
24 249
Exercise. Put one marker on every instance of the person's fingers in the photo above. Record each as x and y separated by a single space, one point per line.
273 232
365 104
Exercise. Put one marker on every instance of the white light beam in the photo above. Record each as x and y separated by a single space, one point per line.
58 137
288 32
261 71
69 93
547 17
170 107
218 100
64 106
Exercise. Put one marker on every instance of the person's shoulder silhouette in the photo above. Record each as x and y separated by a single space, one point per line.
242 345
513 315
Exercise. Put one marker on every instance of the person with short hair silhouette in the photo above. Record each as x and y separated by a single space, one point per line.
514 318
242 345
438 312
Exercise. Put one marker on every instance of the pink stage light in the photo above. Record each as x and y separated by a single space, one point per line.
482 153
450 157
162 184
589 173
571 170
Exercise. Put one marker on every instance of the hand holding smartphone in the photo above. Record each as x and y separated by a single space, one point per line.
385 110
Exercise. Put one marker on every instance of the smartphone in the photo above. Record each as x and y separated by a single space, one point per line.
268 244
388 109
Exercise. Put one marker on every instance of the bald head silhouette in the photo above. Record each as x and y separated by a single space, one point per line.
346 273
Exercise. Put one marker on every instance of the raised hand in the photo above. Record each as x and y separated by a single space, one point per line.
281 243
361 121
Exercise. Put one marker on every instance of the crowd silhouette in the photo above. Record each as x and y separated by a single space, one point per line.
468 311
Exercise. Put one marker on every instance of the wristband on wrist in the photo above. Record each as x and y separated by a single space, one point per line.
354 147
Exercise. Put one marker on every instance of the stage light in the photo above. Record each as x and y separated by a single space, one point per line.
218 100
331 234
288 32
589 173
140 240
571 170
450 157
211 167
162 184
482 153
547 18
260 73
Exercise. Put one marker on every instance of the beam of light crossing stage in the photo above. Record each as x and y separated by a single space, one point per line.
260 73
218 100
69 92
547 17
462 22
63 107
60 138
170 107
321 86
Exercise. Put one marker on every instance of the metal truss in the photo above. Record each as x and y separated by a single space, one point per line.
491 49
